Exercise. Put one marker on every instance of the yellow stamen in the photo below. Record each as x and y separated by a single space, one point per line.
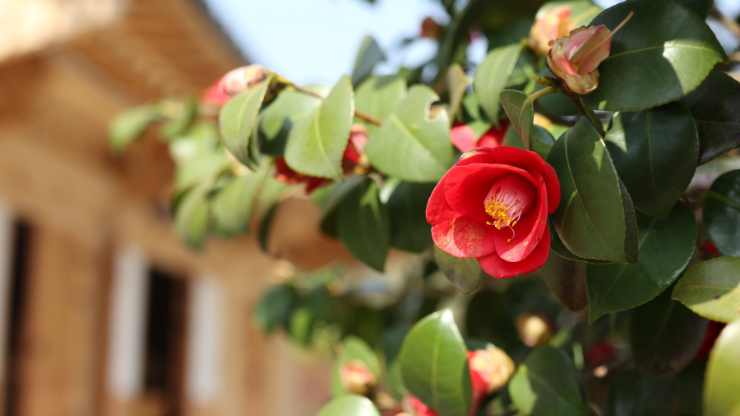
501 218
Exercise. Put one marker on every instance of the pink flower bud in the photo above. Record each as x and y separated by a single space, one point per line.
357 378
574 58
234 82
552 22
490 370
534 330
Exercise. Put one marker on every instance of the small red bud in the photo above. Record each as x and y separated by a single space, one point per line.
357 378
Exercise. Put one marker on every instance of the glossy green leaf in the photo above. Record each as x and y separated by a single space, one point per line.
666 246
457 84
646 145
464 274
231 208
238 120
353 349
722 213
180 116
663 53
131 124
567 281
547 384
722 384
410 134
205 166
492 75
712 289
665 336
520 112
379 96
714 106
349 405
363 225
317 141
192 217
434 365
406 206
540 139
369 55
595 219
278 118
275 307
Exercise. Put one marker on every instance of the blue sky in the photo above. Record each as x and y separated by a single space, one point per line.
314 41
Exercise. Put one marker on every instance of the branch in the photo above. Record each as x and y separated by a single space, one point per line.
362 116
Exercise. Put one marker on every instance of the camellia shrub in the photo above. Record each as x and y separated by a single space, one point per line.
554 231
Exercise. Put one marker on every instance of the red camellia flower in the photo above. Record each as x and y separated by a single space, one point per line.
464 138
493 206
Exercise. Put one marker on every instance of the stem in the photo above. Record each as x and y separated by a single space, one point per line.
540 93
362 116
589 113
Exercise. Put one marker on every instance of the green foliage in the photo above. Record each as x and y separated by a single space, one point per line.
238 121
130 125
492 75
409 230
674 43
546 384
666 246
411 134
465 274
368 56
595 219
317 141
349 405
193 217
722 382
353 349
722 213
712 289
520 112
646 145
434 365
363 225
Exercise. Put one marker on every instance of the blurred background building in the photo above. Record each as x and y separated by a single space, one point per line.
103 311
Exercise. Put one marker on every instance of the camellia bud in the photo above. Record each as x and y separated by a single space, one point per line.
490 369
430 29
576 57
533 329
234 82
357 378
552 22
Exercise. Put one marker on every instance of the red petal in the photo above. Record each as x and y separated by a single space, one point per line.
437 208
467 186
499 268
464 238
463 137
527 234
494 136
525 159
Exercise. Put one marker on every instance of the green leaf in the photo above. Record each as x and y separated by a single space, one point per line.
317 142
546 384
540 139
231 208
457 84
646 145
192 217
183 115
663 53
369 55
278 118
353 349
712 289
595 219
275 307
714 106
722 213
434 365
379 96
700 7
520 112
238 120
492 75
349 405
567 281
364 226
130 125
666 247
722 383
665 336
205 166
406 207
464 274
409 134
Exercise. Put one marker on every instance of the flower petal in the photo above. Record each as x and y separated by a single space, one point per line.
468 185
462 237
524 159
463 137
527 234
500 269
437 208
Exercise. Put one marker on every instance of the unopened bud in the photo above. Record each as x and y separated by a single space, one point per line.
416 407
491 366
533 329
552 22
240 79
430 29
357 378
